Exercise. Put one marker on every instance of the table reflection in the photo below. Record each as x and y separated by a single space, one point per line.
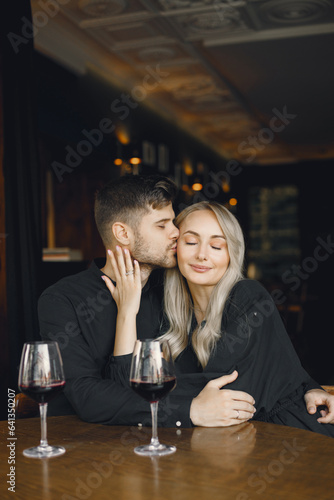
237 442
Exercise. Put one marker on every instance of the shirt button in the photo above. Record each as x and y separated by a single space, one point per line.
178 423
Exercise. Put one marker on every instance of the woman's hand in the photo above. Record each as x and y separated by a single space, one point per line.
127 291
127 294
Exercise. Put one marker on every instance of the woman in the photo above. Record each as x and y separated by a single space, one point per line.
218 322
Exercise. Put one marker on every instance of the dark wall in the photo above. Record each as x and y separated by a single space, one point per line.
310 283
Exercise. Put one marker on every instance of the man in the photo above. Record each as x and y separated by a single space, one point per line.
132 212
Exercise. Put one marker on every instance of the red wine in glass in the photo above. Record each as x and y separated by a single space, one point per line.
41 377
153 392
42 394
152 376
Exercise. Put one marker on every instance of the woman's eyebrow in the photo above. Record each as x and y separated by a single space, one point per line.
213 236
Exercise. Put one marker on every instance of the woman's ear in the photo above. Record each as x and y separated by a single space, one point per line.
122 233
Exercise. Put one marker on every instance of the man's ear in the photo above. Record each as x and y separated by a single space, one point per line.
122 233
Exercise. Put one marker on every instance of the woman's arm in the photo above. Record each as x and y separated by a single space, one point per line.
126 293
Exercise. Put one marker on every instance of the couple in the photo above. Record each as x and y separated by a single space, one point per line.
216 322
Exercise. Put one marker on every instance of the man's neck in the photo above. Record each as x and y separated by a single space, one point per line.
145 272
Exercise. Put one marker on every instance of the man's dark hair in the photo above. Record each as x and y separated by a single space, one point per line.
127 199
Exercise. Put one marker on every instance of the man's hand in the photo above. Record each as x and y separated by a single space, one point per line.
318 397
220 408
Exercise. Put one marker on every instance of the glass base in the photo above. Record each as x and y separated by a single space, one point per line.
44 451
149 450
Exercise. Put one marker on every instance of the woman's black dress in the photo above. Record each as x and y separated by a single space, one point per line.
255 343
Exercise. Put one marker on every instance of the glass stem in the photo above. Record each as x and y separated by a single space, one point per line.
43 408
154 412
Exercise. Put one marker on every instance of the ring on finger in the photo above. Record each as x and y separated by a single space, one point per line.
238 414
129 272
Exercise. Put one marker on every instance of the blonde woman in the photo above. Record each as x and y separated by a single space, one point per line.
219 323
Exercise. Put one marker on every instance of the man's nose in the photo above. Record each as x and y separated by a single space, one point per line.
175 233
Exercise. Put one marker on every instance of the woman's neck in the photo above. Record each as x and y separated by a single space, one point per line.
201 296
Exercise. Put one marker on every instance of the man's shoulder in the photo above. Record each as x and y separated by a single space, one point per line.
74 283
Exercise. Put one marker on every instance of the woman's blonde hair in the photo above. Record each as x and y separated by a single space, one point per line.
178 303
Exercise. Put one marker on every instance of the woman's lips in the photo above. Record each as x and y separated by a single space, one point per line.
200 269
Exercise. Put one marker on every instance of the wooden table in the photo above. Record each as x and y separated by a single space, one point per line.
248 461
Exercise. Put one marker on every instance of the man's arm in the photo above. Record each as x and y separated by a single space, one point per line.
93 398
195 401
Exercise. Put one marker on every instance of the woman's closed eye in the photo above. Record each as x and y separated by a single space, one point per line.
195 243
218 244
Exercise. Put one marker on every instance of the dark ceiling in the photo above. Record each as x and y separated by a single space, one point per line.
252 79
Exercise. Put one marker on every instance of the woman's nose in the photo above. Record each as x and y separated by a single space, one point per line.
201 254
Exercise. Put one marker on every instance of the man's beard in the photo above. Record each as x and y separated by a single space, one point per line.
148 260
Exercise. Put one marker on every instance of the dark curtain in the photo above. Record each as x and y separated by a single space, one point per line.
22 179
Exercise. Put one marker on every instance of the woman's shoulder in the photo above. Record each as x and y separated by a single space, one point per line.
248 287
246 292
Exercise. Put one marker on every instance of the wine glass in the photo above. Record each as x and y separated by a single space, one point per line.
152 376
41 377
